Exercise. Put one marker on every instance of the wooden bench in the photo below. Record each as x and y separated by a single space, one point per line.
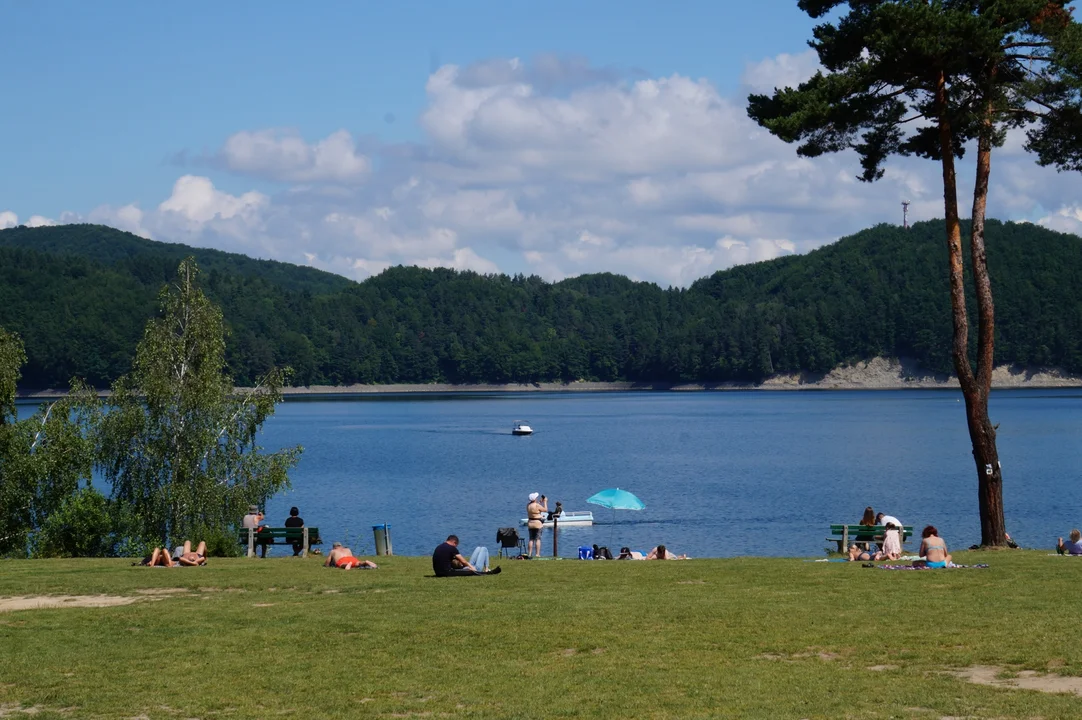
843 534
303 536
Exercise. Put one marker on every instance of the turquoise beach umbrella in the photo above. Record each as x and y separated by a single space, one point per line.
616 499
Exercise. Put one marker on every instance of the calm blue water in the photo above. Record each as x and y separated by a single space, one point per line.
722 474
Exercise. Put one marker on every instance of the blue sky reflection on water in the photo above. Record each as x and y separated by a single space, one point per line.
722 474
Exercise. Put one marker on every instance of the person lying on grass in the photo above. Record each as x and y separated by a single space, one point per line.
186 557
159 557
1073 546
342 557
933 549
662 553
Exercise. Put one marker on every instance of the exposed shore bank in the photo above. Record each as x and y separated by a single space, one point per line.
875 374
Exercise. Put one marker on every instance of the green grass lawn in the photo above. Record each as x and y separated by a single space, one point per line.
706 638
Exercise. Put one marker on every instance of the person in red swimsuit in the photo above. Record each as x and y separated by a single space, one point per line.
342 557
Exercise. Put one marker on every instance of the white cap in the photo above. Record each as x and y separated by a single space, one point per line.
533 496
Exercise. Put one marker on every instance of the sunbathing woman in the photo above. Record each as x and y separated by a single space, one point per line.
158 558
662 553
933 549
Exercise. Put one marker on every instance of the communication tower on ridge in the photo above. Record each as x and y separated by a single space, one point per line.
905 214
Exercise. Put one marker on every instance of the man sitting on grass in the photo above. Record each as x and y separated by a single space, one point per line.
342 557
448 562
1073 546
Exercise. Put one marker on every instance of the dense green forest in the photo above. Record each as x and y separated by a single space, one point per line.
79 295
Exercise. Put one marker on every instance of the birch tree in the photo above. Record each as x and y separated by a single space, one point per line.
45 457
178 444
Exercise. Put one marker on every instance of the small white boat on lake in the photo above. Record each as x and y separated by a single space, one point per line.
573 517
521 428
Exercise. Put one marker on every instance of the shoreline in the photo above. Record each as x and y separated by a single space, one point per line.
875 374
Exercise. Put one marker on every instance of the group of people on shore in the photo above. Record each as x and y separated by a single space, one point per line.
932 553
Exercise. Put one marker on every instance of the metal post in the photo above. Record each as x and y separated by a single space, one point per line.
304 552
251 542
555 536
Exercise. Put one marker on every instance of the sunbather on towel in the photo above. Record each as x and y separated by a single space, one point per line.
186 557
159 557
342 557
1073 546
662 553
933 549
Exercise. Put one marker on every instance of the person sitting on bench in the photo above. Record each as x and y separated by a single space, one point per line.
448 562
254 520
342 557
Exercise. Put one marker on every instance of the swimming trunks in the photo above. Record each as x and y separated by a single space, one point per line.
348 561
939 564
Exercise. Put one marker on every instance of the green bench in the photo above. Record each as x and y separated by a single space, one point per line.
303 536
845 534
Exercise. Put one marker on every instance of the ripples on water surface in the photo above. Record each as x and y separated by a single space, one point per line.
721 473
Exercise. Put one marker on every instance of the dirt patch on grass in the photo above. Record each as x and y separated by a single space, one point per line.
1024 680
691 582
882 668
39 602
161 591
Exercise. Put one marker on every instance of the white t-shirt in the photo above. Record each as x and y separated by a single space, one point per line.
890 520
250 520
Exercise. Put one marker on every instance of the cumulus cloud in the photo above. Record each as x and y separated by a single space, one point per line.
39 221
286 156
8 219
560 168
781 71
128 217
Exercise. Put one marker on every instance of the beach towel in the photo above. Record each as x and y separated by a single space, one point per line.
829 560
921 567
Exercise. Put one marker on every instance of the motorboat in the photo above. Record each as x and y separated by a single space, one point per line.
573 517
521 428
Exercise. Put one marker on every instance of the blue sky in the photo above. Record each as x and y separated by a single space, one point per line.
106 93
111 105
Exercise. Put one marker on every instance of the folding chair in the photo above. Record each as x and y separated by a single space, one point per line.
510 542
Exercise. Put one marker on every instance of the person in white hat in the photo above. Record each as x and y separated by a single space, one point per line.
535 512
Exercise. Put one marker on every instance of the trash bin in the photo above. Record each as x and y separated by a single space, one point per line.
383 539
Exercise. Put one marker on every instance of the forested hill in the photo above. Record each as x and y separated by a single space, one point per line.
156 262
80 295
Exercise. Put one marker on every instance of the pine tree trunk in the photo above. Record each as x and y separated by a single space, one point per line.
981 431
974 389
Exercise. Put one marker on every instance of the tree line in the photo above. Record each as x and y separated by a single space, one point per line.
80 308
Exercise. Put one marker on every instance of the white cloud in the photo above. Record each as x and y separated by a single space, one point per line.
128 217
8 219
39 221
197 202
783 70
284 155
560 168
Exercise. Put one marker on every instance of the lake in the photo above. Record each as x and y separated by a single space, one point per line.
721 473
